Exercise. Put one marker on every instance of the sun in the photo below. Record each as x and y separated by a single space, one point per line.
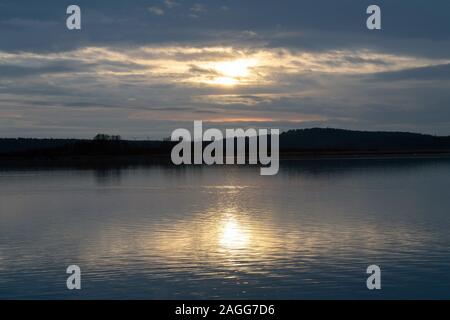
236 68
234 72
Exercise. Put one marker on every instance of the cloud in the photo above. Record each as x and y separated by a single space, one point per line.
29 23
171 4
157 11
321 25
198 8
440 72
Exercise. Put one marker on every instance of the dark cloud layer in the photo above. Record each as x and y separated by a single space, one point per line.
319 24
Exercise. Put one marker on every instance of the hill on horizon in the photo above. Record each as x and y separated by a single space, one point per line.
343 139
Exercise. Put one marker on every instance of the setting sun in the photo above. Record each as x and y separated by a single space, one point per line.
232 72
237 68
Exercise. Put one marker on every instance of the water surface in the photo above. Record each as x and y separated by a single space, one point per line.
160 232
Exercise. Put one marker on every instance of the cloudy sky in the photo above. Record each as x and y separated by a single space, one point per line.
143 68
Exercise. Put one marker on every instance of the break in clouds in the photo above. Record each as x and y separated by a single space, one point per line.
143 68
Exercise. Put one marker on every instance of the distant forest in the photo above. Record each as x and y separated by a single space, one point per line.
301 141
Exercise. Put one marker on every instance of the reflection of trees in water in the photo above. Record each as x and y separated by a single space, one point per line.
338 166
112 174
109 175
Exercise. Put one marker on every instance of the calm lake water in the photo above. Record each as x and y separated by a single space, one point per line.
161 232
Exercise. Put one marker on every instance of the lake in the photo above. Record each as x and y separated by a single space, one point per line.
163 232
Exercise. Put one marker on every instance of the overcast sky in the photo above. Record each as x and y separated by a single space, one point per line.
144 68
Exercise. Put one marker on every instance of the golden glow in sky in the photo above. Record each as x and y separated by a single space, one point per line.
225 81
232 72
219 84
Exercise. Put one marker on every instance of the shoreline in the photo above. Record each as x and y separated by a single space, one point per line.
105 161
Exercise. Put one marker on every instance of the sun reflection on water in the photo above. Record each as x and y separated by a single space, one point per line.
233 235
